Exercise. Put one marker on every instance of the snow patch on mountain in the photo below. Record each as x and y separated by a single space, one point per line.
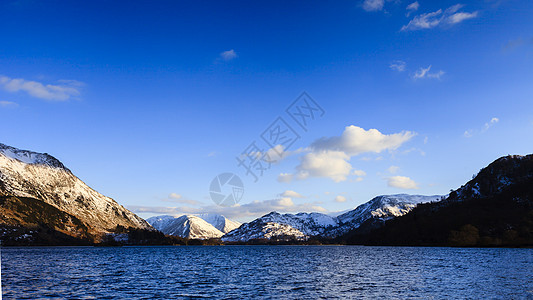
40 176
202 226
220 222
301 226
382 207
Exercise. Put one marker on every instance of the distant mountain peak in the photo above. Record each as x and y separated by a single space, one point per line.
301 226
200 226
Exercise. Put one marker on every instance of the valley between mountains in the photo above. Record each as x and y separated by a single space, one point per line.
43 203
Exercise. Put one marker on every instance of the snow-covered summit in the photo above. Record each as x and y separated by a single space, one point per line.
304 225
40 176
201 226
30 157
382 207
283 226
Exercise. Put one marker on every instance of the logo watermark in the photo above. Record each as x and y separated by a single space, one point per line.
278 138
226 189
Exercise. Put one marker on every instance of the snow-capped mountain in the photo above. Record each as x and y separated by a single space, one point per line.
282 226
203 226
220 222
494 209
382 207
494 178
304 225
40 176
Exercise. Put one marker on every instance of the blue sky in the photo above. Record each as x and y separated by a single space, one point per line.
148 101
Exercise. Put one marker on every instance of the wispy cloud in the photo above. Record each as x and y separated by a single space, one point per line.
425 73
402 182
398 65
360 173
450 16
228 55
393 169
340 199
245 211
177 198
373 5
412 8
514 44
471 132
291 194
62 91
8 104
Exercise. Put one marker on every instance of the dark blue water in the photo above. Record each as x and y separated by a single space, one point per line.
288 272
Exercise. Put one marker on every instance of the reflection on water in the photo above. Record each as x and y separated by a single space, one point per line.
265 272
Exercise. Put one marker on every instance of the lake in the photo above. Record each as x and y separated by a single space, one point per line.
288 272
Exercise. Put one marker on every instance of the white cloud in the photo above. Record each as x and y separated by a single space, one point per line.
488 125
449 17
276 154
228 55
177 198
423 21
425 73
412 7
340 199
329 156
471 132
356 140
273 155
373 5
393 169
359 173
332 164
402 182
64 90
8 104
461 16
174 196
240 212
285 177
398 65
291 194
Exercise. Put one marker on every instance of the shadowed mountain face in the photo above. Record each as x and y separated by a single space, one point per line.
28 221
29 176
493 209
302 226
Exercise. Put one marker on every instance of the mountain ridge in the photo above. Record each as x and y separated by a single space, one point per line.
302 226
26 174
200 226
494 209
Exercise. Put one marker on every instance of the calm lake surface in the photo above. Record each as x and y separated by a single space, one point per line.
287 272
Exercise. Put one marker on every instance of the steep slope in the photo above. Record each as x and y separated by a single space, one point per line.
301 226
27 174
203 226
493 209
27 221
